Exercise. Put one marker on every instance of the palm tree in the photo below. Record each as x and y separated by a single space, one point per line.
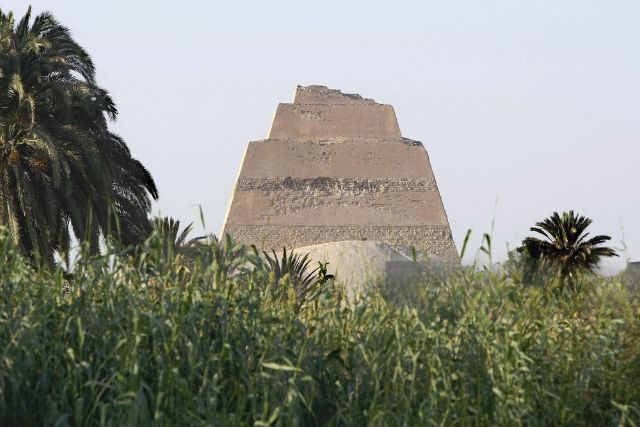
61 169
565 246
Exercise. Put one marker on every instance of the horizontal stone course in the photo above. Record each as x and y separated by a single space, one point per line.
433 239
359 159
342 186
335 120
330 201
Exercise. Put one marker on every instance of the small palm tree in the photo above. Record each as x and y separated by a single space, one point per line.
226 257
565 246
174 242
292 273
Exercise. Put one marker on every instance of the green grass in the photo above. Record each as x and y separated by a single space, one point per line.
142 341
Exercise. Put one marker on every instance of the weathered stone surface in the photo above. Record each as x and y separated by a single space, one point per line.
336 167
354 158
325 186
435 240
391 201
323 95
341 120
320 112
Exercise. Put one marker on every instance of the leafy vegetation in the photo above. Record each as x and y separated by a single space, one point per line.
61 169
565 248
177 247
290 277
124 342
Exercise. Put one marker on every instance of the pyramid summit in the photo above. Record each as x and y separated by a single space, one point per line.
319 112
335 167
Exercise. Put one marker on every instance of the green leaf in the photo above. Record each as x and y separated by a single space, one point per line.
279 367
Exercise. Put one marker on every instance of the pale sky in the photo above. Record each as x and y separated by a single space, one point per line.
525 107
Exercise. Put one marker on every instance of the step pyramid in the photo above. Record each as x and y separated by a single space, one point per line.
335 167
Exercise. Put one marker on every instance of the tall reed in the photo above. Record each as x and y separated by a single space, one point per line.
139 340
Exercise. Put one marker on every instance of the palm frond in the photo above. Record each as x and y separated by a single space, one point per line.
64 171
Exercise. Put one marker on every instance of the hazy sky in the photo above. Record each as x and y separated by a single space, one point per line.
525 107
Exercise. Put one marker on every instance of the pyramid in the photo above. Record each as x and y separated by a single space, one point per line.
335 167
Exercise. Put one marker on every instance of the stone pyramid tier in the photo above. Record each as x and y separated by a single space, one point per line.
335 167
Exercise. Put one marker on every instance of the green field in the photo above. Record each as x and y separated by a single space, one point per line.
148 340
